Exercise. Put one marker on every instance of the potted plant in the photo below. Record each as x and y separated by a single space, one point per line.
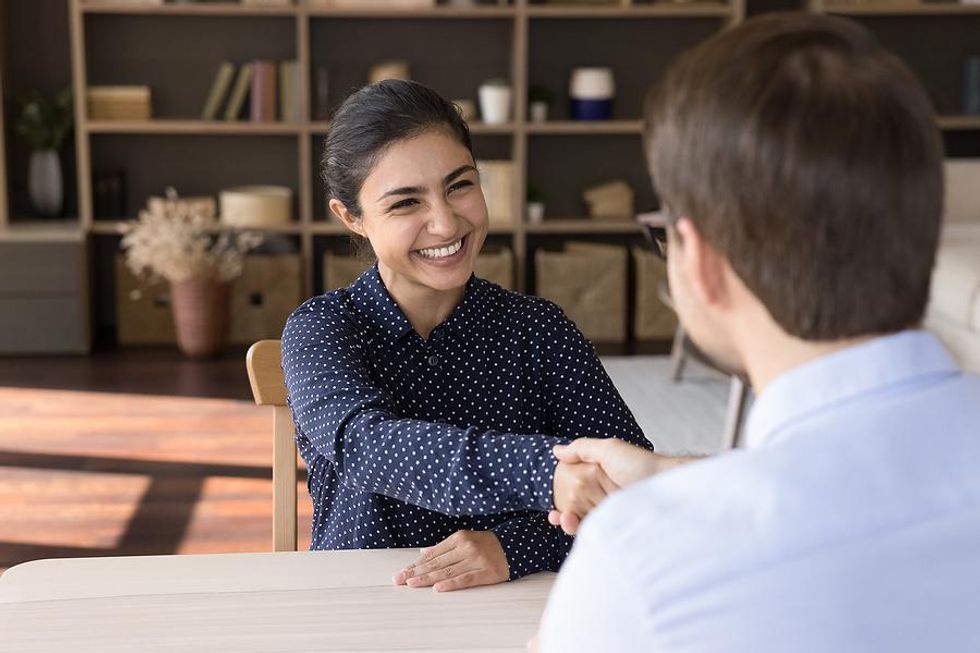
45 123
535 204
183 242
495 101
539 99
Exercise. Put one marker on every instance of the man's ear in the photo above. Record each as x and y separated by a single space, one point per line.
704 266
350 220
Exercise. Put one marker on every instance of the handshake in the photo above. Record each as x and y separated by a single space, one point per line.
589 469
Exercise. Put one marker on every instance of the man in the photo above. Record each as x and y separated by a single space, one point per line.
802 169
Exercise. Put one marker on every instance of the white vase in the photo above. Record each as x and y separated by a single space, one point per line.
539 111
495 104
44 182
535 212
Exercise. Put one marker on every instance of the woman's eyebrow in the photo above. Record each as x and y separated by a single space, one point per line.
457 172
415 190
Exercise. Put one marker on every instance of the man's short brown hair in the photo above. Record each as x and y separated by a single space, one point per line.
810 157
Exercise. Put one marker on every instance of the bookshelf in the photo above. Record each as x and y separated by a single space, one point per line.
176 49
521 40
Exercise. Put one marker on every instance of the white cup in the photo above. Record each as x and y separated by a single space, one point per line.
495 104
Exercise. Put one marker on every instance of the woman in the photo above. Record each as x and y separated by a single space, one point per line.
426 400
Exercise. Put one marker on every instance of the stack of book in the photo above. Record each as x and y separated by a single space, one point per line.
119 103
270 90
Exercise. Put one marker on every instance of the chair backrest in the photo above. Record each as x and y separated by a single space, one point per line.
264 364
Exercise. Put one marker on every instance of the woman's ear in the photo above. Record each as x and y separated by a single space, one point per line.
350 220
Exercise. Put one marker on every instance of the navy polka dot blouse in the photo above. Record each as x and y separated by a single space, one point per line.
408 440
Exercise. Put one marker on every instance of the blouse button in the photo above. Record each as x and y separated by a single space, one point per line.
433 360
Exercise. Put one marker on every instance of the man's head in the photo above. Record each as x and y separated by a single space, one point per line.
804 167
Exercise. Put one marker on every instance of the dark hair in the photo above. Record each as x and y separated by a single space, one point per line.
373 118
810 158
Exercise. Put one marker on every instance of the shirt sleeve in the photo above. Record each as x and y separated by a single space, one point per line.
355 425
581 399
531 544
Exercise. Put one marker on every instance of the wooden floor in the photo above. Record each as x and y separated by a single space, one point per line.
131 454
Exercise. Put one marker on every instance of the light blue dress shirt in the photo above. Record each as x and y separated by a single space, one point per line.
851 522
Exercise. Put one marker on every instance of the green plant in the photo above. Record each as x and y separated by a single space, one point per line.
534 194
539 94
44 121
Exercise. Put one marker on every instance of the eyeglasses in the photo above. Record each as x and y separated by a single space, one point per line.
655 230
657 237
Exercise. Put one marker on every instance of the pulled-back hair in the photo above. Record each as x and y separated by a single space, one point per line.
810 157
373 118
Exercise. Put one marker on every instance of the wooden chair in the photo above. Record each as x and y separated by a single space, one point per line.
264 364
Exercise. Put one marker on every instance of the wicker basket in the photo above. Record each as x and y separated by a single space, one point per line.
589 282
264 296
652 319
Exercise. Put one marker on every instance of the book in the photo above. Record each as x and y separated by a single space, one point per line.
263 96
219 89
289 91
238 92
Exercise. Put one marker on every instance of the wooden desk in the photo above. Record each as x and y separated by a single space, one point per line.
303 601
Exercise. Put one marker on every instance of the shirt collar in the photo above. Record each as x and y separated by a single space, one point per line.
374 300
844 375
372 297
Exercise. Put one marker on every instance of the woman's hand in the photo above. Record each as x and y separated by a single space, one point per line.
579 486
464 559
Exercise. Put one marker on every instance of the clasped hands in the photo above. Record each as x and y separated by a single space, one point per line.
588 469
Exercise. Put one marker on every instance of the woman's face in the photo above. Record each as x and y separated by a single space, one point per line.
423 211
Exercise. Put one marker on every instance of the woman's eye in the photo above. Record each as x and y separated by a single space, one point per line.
404 204
460 184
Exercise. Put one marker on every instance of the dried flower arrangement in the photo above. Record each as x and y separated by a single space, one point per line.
182 240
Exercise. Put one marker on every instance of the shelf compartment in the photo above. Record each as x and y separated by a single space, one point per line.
200 9
478 12
190 127
901 9
653 10
588 127
583 226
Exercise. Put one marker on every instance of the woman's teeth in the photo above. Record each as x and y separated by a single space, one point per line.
441 252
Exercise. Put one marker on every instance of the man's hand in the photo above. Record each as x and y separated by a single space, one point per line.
464 559
621 462
580 487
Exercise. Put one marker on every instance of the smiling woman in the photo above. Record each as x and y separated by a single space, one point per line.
427 400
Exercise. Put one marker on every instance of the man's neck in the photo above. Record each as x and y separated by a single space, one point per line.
768 352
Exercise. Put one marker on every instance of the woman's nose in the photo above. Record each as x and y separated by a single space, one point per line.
442 220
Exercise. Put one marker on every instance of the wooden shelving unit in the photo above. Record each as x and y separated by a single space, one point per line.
451 48
515 20
896 8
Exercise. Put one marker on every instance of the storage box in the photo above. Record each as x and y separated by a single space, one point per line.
340 271
497 182
652 319
256 206
589 282
610 201
143 315
119 103
264 296
496 267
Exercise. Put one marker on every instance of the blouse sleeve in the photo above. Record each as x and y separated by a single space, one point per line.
354 425
580 398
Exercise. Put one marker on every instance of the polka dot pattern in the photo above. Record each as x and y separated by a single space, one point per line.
408 440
